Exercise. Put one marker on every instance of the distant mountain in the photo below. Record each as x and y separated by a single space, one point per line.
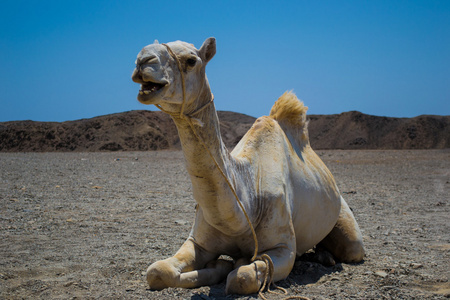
355 130
149 130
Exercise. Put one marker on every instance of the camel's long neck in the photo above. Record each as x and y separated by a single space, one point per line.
206 155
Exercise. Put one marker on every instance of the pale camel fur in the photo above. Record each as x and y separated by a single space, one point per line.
289 194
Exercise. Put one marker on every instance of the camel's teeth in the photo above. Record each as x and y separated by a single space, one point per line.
147 92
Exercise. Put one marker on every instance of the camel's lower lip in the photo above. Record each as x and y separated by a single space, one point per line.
147 98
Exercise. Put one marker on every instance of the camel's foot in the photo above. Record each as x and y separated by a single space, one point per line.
161 275
246 279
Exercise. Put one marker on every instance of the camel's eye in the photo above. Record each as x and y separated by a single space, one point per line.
191 62
149 60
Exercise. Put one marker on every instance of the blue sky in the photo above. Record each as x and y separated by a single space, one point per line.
67 60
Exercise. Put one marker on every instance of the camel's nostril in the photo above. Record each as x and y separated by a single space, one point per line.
137 77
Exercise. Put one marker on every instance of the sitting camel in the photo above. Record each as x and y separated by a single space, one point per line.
270 199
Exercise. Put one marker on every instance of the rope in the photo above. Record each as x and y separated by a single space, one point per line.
268 278
268 281
183 82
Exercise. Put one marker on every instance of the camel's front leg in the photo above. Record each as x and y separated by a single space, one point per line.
187 269
248 279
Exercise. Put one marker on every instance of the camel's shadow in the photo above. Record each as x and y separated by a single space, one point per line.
306 271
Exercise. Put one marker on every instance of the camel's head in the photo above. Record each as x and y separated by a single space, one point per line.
158 71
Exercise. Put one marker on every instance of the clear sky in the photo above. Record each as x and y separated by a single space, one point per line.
66 60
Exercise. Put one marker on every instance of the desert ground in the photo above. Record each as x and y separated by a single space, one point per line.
87 225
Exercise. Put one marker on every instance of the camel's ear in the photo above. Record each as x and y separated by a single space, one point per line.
208 49
156 42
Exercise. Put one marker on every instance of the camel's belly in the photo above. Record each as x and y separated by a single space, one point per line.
313 221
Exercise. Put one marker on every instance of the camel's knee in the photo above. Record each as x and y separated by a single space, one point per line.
343 249
161 275
246 279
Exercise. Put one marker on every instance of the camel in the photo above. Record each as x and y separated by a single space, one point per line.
269 200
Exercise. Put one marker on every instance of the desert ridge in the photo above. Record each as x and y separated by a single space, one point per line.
144 130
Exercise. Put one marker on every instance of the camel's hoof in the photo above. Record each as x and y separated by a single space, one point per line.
161 275
244 280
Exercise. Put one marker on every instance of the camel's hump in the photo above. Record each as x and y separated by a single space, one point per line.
288 109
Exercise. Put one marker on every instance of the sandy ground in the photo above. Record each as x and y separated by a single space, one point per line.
87 225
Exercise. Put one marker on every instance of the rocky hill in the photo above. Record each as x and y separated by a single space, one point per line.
355 130
148 130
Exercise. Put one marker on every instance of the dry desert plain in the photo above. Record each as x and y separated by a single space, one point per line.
87 225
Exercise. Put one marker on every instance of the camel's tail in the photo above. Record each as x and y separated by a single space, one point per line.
290 113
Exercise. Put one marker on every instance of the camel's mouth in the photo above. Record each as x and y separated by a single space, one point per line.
149 89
